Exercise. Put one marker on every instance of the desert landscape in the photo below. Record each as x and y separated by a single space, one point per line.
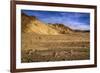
42 42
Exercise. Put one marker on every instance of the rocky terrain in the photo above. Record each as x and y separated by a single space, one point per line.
52 42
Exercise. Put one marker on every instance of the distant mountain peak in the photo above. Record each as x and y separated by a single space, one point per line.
61 28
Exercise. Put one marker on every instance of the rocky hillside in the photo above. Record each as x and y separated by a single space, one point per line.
32 24
62 29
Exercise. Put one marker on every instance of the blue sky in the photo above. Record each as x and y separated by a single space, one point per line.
74 20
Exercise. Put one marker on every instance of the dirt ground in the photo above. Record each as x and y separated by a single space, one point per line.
42 48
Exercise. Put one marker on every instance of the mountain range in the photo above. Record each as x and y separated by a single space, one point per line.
31 24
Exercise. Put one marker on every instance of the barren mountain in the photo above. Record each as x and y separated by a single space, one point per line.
62 29
32 24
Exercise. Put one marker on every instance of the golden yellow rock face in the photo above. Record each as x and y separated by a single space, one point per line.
32 24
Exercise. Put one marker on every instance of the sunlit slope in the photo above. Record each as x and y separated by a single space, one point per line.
32 24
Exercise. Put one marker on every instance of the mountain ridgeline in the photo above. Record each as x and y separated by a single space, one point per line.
31 24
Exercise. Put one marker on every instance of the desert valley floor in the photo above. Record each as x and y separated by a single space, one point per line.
43 48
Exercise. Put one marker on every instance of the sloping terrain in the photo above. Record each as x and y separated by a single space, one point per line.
32 24
62 29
